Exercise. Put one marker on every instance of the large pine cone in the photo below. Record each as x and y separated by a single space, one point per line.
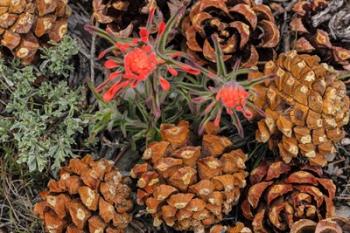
243 30
90 196
306 108
329 225
27 25
280 195
323 28
189 187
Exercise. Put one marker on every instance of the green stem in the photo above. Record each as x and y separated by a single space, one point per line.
206 72
250 83
235 73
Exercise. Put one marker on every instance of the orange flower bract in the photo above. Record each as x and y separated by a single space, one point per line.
234 96
139 63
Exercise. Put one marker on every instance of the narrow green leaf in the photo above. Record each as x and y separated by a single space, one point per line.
258 110
237 123
233 74
169 26
220 63
97 95
250 83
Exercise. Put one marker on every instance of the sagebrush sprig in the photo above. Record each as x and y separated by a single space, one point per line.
40 117
56 58
42 123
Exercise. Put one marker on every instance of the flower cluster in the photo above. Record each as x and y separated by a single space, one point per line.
234 96
137 60
231 96
139 63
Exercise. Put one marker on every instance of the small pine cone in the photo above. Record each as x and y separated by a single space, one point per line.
280 194
305 106
189 187
323 28
27 25
119 14
329 225
90 196
238 228
245 31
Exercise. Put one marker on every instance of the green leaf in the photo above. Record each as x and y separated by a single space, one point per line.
237 123
233 74
220 63
96 95
169 26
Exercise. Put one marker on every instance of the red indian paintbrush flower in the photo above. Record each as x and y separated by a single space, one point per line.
231 96
234 96
139 62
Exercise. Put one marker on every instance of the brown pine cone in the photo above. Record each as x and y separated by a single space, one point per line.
189 187
27 25
280 194
329 225
238 228
323 28
119 14
245 31
306 107
90 196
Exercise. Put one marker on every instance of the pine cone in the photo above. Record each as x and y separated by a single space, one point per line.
280 195
245 31
238 228
27 25
323 28
329 225
90 196
306 108
119 14
189 187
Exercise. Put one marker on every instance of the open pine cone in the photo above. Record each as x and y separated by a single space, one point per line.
306 108
245 31
280 195
237 228
119 14
27 25
329 225
189 187
323 28
90 196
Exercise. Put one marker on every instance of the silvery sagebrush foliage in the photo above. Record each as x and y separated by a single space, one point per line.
40 118
55 58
